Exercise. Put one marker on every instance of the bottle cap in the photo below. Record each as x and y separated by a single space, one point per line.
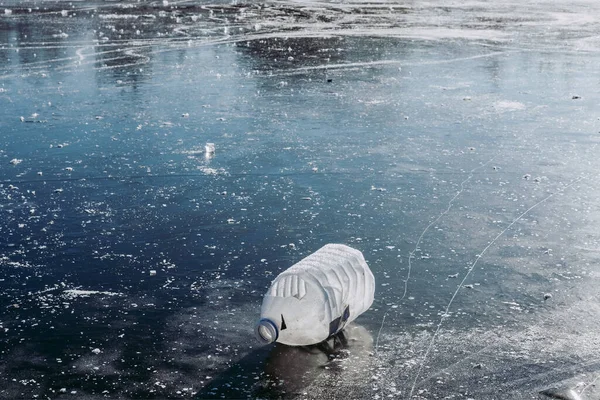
266 331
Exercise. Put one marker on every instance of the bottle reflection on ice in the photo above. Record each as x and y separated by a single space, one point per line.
317 297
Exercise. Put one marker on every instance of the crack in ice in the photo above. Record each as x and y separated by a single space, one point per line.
471 268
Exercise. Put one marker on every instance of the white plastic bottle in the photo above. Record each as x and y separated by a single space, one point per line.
317 297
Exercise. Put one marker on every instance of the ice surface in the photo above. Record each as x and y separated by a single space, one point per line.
454 143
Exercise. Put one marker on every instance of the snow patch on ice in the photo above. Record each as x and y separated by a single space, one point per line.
505 105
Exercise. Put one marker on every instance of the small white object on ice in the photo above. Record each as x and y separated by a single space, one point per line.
468 286
547 296
453 276
64 13
22 118
165 3
69 169
58 190
96 351
7 11
231 221
210 148
16 161
63 390
152 272
185 115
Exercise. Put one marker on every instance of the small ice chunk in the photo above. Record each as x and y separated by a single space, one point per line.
152 272
58 190
378 189
7 11
96 351
16 161
453 276
210 148
64 13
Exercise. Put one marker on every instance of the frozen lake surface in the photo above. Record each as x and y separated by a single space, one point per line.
454 143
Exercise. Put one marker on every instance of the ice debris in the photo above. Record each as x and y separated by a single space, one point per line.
210 148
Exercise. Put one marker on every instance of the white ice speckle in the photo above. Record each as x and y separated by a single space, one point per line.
96 351
152 272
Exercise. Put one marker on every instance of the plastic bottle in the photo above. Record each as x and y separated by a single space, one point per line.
317 297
